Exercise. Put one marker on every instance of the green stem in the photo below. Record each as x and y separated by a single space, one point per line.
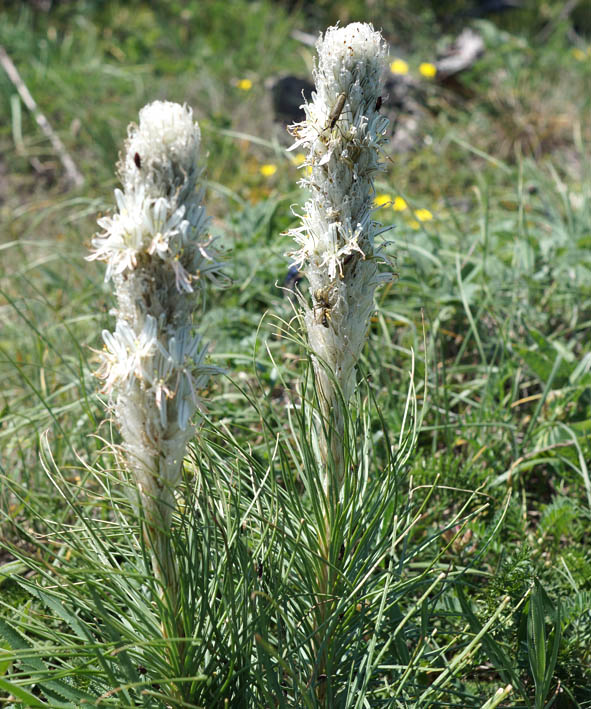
333 466
158 509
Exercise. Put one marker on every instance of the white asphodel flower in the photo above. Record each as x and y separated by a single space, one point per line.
126 353
153 226
163 225
162 150
341 135
182 277
160 384
158 253
123 235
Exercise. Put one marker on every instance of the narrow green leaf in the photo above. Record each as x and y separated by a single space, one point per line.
502 663
29 700
73 621
12 568
555 647
17 642
6 663
536 639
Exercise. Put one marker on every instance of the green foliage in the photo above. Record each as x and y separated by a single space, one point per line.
542 651
461 560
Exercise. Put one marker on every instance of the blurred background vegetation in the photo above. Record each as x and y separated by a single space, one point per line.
487 183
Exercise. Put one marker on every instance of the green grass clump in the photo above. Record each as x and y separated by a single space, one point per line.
467 560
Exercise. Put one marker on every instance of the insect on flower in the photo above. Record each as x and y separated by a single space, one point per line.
137 160
323 302
349 259
291 282
337 110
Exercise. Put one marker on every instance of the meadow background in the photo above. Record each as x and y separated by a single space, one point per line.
487 183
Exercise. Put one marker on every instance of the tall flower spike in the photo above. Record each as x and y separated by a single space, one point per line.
341 135
158 255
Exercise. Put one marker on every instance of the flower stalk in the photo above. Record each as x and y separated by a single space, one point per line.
341 136
158 256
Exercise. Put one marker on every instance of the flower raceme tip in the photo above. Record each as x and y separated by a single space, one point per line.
341 139
157 251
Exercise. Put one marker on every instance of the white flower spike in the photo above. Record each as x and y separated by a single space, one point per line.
158 254
341 136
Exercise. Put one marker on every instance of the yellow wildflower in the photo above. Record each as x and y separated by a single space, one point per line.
423 215
245 84
299 159
382 199
399 66
414 224
268 170
579 54
400 204
428 70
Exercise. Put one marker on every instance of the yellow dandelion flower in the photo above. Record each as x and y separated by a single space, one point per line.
268 170
579 54
423 215
245 84
382 199
299 159
414 224
427 70
400 204
399 66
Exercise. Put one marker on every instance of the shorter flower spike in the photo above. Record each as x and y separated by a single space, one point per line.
158 254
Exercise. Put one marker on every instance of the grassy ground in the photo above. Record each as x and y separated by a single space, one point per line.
491 304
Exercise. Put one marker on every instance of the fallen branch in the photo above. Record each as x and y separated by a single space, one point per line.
464 52
74 176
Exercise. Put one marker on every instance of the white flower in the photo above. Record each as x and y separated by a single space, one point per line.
342 135
162 150
141 225
163 224
123 236
126 352
156 249
162 368
181 276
